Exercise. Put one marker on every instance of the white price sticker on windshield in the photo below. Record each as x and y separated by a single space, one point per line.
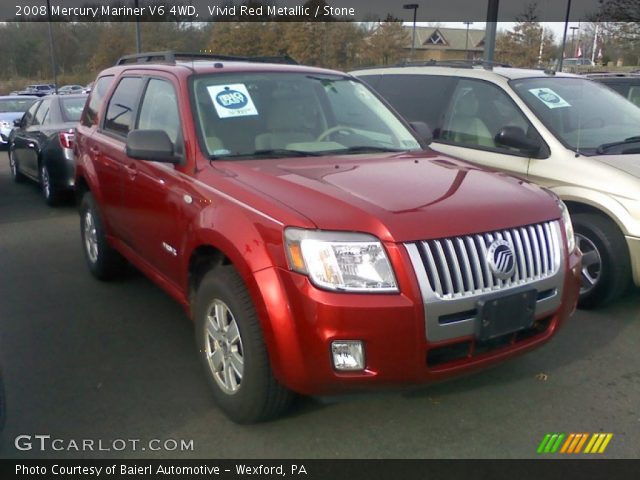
232 100
550 98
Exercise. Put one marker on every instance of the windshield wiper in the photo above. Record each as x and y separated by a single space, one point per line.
367 149
606 146
270 152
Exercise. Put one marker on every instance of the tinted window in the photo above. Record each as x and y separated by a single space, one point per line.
159 109
121 108
421 98
42 115
90 116
72 108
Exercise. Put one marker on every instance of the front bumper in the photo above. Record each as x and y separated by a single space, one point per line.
634 252
300 322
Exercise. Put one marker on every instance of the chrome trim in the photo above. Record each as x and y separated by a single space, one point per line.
539 258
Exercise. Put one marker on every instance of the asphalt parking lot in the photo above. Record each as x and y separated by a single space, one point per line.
106 361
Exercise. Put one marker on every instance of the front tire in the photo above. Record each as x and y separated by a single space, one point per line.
606 267
16 176
232 350
103 261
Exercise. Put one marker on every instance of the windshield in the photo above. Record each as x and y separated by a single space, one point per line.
583 114
269 114
16 104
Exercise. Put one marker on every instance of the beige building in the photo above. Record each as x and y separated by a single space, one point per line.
435 43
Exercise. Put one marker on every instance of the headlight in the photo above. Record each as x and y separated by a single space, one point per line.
568 226
343 261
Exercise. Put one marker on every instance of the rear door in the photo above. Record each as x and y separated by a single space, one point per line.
109 152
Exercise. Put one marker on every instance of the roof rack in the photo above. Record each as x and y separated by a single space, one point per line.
462 63
172 58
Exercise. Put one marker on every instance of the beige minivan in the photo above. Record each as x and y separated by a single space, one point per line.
572 135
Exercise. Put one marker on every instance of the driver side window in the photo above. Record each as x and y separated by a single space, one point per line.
27 119
478 112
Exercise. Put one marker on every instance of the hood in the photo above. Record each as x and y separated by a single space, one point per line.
627 163
398 197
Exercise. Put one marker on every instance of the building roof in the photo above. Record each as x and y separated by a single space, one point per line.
452 38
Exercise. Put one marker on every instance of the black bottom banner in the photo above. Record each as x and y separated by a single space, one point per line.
323 469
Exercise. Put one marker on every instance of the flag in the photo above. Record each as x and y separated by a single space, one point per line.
579 50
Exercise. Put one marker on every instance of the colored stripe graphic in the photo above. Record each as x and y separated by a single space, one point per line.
598 442
550 443
573 443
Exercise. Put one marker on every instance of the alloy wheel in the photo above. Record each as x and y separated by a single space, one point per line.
90 237
591 263
223 347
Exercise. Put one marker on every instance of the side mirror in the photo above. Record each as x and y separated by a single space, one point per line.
514 137
17 122
152 145
424 132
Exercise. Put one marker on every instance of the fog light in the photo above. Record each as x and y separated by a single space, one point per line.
348 355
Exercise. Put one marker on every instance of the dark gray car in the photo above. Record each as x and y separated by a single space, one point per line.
41 144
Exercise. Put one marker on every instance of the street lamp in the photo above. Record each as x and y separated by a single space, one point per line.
573 40
414 7
51 49
466 42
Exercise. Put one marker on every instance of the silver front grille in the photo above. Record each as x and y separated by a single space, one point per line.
458 267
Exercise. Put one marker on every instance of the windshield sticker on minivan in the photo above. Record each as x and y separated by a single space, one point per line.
550 98
232 100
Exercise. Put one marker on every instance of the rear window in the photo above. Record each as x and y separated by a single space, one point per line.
72 108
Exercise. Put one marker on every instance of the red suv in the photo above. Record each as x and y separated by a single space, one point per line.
316 243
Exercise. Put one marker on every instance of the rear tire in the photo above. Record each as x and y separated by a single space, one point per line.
16 176
51 194
233 352
103 261
606 267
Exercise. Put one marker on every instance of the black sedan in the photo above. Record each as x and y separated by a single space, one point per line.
41 144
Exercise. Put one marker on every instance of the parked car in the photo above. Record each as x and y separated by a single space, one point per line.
626 84
12 107
41 144
565 132
40 90
69 89
315 243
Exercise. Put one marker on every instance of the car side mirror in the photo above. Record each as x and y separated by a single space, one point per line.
152 145
17 122
423 131
514 137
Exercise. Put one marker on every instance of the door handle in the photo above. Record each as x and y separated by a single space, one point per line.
131 169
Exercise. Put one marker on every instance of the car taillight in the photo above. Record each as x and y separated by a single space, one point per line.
66 139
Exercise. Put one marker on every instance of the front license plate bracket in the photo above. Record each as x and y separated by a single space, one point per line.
502 315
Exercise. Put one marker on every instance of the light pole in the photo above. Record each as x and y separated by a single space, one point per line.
564 35
138 41
414 7
51 50
466 41
573 40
